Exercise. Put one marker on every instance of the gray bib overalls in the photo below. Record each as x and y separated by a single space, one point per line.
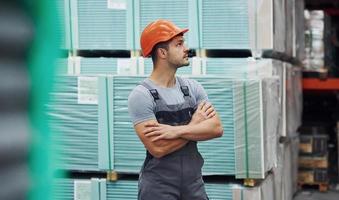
176 176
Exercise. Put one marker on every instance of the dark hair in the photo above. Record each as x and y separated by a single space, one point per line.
163 45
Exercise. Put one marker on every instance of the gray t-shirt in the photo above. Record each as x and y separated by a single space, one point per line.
141 104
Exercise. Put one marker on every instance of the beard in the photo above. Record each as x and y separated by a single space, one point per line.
183 63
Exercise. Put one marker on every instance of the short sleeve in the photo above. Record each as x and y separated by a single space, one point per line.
140 105
198 91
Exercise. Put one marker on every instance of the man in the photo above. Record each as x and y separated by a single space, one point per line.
170 114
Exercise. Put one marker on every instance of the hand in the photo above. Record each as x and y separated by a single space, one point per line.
204 111
161 131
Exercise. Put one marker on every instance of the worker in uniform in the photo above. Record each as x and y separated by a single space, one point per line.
170 114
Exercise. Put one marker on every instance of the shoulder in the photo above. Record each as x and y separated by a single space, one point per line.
192 84
139 92
196 89
189 82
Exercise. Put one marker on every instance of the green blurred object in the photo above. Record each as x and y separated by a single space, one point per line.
42 57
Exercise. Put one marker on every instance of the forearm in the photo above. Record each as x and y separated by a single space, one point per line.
205 130
167 146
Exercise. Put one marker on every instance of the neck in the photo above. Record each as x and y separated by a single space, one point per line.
163 74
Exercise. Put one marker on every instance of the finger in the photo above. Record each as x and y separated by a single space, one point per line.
209 110
201 105
154 133
151 124
206 106
212 114
151 129
157 138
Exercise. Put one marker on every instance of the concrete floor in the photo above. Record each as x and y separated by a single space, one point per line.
315 195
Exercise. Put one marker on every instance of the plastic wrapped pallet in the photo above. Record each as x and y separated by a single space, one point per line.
106 66
83 137
125 151
245 68
265 191
63 26
102 24
314 33
286 172
299 29
128 151
63 189
73 120
248 152
185 70
236 24
84 189
225 67
61 66
293 98
279 25
108 141
181 12
289 18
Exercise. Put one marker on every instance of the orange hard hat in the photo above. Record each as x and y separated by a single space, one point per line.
158 31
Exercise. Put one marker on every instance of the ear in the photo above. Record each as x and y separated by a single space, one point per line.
162 53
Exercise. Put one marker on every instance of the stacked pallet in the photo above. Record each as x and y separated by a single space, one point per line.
81 189
249 94
313 161
80 98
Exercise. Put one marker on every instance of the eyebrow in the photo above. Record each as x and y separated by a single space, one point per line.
181 40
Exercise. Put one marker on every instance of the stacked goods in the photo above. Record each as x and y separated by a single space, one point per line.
117 25
287 151
229 98
82 189
314 45
313 160
89 115
292 98
236 24
96 111
63 25
186 70
61 65
181 12
313 144
100 25
286 172
73 120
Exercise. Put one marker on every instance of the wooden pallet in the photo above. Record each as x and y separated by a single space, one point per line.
322 187
201 53
313 144
313 161
250 182
135 53
115 176
313 177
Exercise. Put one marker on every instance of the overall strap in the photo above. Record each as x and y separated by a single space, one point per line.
184 88
153 91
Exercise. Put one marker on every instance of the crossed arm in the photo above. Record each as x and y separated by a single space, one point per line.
161 139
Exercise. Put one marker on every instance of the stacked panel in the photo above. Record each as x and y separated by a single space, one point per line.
128 189
63 25
181 13
73 120
236 24
100 25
